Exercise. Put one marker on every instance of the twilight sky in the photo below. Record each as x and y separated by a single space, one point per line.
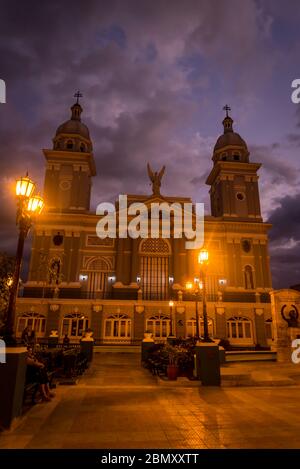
155 76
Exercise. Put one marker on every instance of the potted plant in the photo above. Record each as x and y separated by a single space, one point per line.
172 367
185 363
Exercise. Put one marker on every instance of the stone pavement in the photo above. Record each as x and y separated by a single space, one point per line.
260 373
118 404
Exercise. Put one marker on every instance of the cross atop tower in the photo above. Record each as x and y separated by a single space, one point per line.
226 108
77 95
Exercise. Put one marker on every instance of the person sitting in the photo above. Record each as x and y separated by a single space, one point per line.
40 374
32 338
25 336
66 341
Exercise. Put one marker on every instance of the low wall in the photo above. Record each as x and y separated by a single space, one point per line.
250 355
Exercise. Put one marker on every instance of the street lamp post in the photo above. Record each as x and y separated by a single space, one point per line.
29 206
171 304
196 291
207 352
203 262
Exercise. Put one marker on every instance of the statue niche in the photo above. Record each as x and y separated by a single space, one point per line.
55 271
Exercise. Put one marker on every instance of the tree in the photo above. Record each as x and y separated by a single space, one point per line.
7 264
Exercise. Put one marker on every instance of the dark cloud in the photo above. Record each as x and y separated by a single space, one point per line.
155 76
285 264
294 139
286 219
285 242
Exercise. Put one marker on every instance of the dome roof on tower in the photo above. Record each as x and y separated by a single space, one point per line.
73 135
230 138
74 125
230 146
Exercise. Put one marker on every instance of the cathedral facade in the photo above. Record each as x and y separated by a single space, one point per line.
122 287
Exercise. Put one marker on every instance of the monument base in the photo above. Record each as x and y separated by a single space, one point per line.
12 379
284 344
208 363
147 347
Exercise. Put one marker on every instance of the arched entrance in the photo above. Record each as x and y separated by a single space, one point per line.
97 271
154 268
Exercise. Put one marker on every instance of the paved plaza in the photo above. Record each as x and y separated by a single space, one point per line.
119 404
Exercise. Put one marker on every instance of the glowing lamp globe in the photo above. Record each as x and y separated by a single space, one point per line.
9 281
24 187
35 205
203 256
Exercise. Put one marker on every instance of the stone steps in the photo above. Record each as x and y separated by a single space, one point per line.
117 349
231 378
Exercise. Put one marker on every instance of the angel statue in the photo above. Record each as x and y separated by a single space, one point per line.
155 178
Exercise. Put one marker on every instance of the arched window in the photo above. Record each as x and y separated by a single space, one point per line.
236 157
97 271
269 330
117 326
154 268
239 330
159 326
74 325
248 276
70 145
191 327
35 321
82 147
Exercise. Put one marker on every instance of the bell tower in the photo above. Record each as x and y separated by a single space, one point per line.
70 166
233 179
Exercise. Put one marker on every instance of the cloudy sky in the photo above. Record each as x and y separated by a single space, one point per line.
155 76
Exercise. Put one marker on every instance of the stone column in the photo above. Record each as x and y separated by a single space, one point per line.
180 321
96 321
260 328
220 323
138 323
176 261
134 260
52 319
119 267
182 261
